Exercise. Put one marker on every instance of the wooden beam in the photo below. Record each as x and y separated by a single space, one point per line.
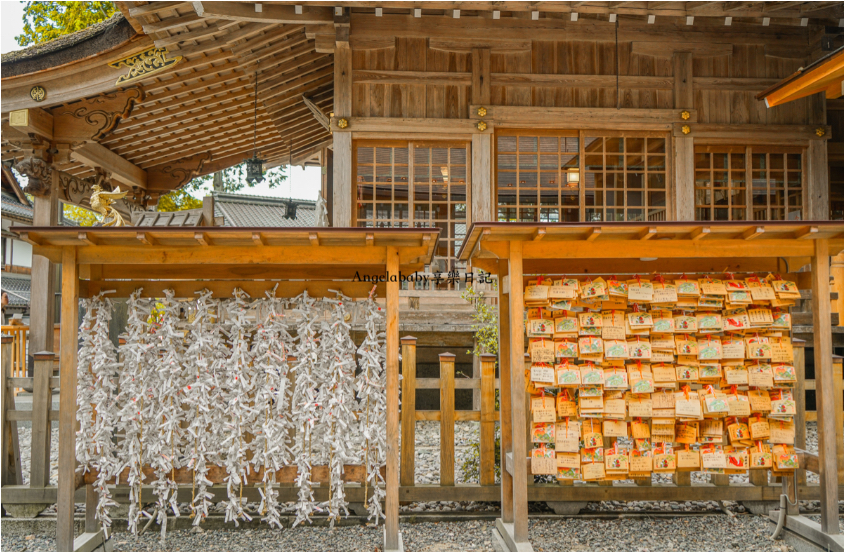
201 238
805 233
32 121
593 234
752 233
257 239
83 237
95 155
145 238
647 233
410 124
391 522
318 113
270 13
539 234
588 118
313 238
699 233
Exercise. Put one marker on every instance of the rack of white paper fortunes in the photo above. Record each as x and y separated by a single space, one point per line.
220 388
658 375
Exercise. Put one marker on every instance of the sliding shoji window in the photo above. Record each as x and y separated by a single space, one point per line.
625 177
538 177
723 174
416 184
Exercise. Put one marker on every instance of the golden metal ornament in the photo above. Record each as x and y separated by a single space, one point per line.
482 126
685 115
685 129
342 123
38 93
144 64
482 111
820 131
101 203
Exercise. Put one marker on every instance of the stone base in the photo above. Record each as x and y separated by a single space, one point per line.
358 509
760 508
567 507
24 510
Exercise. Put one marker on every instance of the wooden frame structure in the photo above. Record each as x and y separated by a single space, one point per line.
222 259
515 250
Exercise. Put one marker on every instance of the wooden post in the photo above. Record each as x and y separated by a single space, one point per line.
91 500
487 440
409 409
39 465
482 208
800 394
837 379
11 466
447 419
505 421
391 510
684 158
342 184
517 346
817 189
43 299
825 389
67 402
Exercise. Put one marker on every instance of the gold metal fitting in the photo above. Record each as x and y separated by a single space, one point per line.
482 111
820 131
38 93
482 126
685 129
685 115
342 123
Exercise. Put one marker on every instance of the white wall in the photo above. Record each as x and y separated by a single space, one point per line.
21 254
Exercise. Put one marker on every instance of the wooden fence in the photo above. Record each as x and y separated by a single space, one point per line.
19 336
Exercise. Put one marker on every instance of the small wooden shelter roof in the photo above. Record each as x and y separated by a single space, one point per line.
226 253
639 248
823 75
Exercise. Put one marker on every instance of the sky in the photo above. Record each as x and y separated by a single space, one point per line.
304 184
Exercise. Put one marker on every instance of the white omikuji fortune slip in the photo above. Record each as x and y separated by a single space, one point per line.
209 382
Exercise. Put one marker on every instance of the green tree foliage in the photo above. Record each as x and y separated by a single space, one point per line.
234 179
486 320
45 21
178 200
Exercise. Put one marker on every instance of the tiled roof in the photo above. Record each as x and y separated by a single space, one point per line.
239 210
184 218
17 287
12 207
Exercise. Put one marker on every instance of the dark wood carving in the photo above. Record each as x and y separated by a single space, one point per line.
94 118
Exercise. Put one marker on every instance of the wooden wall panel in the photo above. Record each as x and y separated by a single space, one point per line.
716 104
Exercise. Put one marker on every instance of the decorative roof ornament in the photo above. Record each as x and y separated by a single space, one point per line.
255 165
144 64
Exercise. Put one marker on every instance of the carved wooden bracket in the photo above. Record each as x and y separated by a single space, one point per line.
93 118
77 191
176 174
40 175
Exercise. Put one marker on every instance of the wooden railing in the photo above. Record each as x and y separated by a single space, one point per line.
19 336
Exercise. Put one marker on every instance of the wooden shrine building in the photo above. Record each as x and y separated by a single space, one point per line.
446 115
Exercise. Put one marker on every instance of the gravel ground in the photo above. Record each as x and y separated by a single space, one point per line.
706 533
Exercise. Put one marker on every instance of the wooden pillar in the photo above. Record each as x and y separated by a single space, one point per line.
391 510
817 191
683 187
800 394
10 460
825 388
409 409
517 345
327 185
67 402
505 421
481 194
447 419
42 316
487 432
39 465
342 140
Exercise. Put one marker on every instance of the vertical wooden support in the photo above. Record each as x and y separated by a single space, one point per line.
91 500
409 409
447 419
43 299
342 140
481 76
682 478
39 465
684 188
391 511
481 193
817 189
800 394
825 388
327 160
67 402
487 450
682 64
10 461
518 409
505 420
837 380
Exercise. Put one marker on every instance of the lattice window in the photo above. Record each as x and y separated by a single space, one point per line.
416 184
720 183
625 178
776 184
538 177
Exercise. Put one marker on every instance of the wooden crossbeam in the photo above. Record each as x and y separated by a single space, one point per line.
753 233
699 233
93 154
593 234
647 233
270 13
